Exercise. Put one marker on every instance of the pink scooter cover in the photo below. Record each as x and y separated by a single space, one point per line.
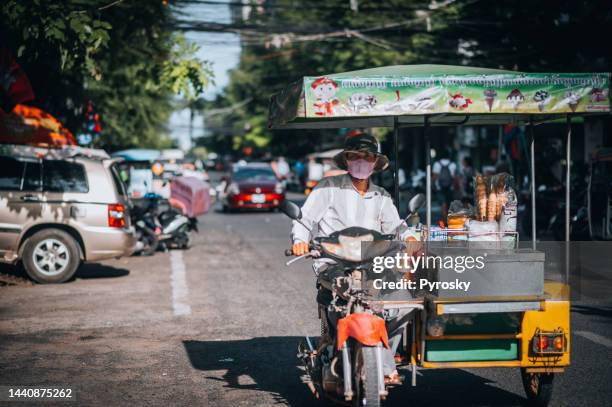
191 194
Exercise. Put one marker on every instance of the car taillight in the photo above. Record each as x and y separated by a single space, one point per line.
116 215
549 342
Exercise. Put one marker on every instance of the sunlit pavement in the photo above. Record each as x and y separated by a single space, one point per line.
219 325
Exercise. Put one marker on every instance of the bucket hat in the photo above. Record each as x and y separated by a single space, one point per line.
362 143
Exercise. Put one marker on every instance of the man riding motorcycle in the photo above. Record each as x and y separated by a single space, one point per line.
351 199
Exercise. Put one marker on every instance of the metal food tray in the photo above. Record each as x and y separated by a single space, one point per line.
507 272
465 238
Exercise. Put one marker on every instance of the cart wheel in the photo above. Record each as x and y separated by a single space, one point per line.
538 387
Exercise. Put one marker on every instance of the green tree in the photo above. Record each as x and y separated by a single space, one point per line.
123 56
323 38
285 40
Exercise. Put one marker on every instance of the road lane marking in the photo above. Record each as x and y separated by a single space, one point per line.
601 340
178 280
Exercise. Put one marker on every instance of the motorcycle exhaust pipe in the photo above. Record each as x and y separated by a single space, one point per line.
347 372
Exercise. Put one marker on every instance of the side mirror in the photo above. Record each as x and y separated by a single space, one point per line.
291 210
416 202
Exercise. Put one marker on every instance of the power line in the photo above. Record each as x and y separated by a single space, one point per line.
306 6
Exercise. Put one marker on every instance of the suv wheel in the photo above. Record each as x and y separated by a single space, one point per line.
51 256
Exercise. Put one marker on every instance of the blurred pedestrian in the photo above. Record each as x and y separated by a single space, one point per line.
503 165
315 170
300 170
444 174
282 168
467 177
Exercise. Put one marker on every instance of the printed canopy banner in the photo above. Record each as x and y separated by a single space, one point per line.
434 89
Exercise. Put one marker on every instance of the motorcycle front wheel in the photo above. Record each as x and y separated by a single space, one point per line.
365 377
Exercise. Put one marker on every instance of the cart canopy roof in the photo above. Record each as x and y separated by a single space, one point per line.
448 95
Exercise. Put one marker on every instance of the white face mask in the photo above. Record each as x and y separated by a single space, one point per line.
360 169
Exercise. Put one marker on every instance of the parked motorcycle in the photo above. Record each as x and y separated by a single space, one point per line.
159 225
175 229
144 225
345 363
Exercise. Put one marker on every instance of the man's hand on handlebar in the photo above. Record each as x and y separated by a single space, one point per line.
299 248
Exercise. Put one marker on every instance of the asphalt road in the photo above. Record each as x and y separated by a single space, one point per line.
219 325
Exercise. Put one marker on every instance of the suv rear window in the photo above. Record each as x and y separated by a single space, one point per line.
64 176
11 174
119 185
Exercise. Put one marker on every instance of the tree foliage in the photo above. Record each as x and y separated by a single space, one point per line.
72 36
122 55
322 37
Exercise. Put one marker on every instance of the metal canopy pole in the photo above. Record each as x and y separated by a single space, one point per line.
568 171
568 158
396 161
500 135
533 184
428 172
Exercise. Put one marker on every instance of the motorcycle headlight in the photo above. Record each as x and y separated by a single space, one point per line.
278 188
348 247
233 189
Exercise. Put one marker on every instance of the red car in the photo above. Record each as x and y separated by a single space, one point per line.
253 186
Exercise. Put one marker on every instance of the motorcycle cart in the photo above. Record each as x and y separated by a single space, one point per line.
515 317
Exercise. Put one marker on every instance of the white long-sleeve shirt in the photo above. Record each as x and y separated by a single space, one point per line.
335 204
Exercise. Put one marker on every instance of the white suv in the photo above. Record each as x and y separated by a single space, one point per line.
57 212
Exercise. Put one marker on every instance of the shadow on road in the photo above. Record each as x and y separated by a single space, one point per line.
603 311
456 387
98 270
270 362
15 274
272 365
11 274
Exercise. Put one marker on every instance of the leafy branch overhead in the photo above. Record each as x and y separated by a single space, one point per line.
122 55
285 40
183 73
